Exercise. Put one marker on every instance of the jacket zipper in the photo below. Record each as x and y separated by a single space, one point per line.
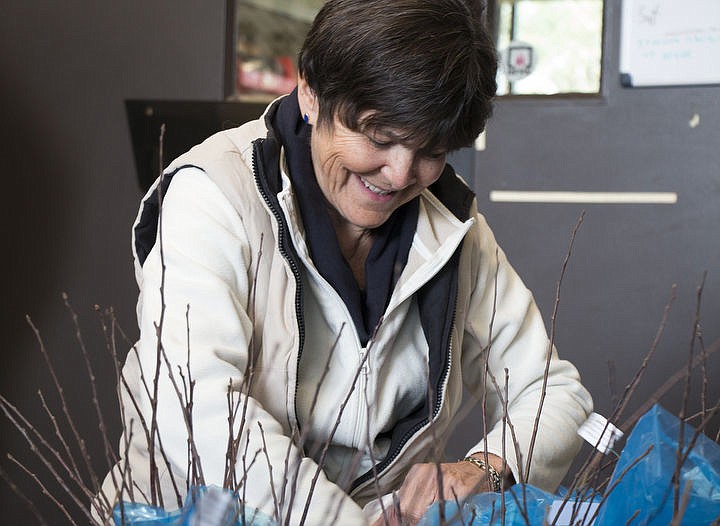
392 454
290 258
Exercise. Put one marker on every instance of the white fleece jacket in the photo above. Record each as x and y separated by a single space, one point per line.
218 282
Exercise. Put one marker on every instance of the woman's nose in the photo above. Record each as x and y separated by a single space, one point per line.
400 167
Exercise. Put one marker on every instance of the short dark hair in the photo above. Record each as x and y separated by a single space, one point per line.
426 67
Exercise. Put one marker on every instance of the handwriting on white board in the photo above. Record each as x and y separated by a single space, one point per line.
666 42
648 14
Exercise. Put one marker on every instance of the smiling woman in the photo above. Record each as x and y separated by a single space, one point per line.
324 268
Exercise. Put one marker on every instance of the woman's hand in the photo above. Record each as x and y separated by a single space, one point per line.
426 483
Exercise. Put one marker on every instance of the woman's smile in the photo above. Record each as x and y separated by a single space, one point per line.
374 189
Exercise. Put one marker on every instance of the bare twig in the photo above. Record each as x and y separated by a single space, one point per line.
66 412
39 454
341 410
189 396
612 383
277 514
245 387
686 395
682 507
666 386
308 425
619 479
588 474
26 429
44 490
703 371
155 493
632 517
70 466
149 438
504 430
245 472
630 389
233 406
28 502
550 346
110 456
698 431
110 345
373 461
186 405
73 468
486 355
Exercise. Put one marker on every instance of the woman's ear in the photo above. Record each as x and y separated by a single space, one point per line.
308 101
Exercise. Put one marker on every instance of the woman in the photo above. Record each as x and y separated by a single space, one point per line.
324 276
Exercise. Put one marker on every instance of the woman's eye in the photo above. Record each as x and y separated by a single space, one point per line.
379 143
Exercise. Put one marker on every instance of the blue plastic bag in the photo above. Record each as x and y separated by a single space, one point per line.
135 514
524 504
204 506
647 487
484 509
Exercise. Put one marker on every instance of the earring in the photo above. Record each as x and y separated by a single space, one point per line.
306 118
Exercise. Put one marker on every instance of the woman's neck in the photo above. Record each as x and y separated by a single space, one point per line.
355 244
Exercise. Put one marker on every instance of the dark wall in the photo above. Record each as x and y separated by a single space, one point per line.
70 190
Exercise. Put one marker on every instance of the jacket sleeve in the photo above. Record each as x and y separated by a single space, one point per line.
195 293
505 327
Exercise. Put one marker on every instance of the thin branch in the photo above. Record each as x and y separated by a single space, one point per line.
619 479
682 507
630 389
110 346
110 456
632 517
148 437
373 460
28 502
686 395
665 387
308 425
549 352
44 489
61 395
28 428
186 406
269 465
612 383
189 394
24 431
504 452
698 431
155 492
344 403
588 474
71 466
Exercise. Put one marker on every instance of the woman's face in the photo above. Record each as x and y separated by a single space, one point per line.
365 176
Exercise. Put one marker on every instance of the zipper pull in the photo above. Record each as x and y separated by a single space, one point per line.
363 361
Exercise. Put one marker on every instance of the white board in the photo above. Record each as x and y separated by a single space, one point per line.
670 42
